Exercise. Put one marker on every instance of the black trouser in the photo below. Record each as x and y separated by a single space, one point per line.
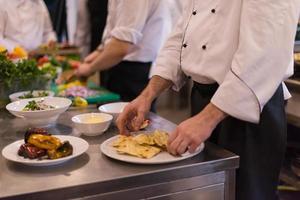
260 146
97 11
128 79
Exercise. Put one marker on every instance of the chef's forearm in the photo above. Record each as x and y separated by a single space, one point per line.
111 55
155 87
212 115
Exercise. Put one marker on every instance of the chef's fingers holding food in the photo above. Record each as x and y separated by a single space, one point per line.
192 132
124 119
188 135
133 115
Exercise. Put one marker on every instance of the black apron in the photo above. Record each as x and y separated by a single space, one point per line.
58 15
261 147
97 18
127 79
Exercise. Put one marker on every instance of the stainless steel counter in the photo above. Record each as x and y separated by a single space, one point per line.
94 176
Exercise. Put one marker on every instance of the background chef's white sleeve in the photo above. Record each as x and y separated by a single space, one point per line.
167 64
4 41
48 32
83 30
131 18
266 42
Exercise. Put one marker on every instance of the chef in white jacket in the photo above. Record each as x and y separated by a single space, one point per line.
25 23
238 53
135 31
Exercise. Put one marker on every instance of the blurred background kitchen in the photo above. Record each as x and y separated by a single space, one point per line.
79 26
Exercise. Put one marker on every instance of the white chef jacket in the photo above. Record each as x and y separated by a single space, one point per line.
71 11
83 30
176 10
24 22
246 46
144 23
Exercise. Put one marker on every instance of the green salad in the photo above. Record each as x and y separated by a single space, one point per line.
31 95
37 105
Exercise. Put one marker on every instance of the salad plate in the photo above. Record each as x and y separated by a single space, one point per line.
30 94
41 111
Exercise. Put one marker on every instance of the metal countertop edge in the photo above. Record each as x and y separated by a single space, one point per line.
137 180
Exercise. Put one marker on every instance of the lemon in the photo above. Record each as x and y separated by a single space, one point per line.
80 102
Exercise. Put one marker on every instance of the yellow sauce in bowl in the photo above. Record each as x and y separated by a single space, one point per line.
92 120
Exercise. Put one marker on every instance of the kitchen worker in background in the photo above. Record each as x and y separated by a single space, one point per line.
134 32
238 54
63 14
91 20
25 23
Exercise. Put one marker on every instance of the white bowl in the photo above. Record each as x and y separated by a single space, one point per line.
40 118
113 109
15 96
92 128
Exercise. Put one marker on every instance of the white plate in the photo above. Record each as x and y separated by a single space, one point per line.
161 158
15 96
40 118
10 152
113 109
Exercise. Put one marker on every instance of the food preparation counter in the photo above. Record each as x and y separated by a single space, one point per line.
209 175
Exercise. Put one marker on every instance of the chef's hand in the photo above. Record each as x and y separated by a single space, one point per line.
84 70
92 56
192 132
133 115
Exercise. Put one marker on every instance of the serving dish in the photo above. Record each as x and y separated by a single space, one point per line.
10 152
162 158
40 118
35 94
92 124
114 109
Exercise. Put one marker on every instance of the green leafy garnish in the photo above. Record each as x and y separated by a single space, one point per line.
31 95
33 106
